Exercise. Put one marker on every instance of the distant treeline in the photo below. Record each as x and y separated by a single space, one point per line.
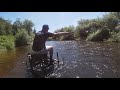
106 28
17 34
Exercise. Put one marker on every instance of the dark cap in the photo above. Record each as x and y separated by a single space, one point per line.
45 26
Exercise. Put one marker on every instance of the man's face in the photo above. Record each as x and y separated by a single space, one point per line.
45 30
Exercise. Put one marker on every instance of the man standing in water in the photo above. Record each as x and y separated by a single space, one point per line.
40 39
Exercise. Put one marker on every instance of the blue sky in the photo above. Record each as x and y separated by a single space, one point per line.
55 20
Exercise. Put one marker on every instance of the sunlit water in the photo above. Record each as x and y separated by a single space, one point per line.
81 60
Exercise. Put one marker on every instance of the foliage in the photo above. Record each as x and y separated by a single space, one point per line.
111 21
7 42
86 27
99 35
115 37
28 24
22 38
5 27
17 25
99 29
21 31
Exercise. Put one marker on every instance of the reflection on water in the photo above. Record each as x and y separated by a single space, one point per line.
12 63
81 60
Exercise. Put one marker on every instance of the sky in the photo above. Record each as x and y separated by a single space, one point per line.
55 20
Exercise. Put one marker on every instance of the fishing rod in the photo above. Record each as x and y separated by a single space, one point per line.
58 58
63 60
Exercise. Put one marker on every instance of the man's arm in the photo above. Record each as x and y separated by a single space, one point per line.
60 33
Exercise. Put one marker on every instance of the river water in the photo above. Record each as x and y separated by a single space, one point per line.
81 60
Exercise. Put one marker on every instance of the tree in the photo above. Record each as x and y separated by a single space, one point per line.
117 14
8 27
17 25
5 27
111 20
2 27
28 24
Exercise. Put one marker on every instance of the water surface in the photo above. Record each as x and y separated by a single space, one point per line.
81 60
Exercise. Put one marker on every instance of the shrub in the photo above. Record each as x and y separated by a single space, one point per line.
7 42
115 37
22 38
99 35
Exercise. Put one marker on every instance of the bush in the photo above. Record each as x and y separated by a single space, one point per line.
117 28
81 31
22 38
7 42
115 37
111 21
86 27
99 35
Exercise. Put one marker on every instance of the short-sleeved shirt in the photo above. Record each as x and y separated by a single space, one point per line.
40 39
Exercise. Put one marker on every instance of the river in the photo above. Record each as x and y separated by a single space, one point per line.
81 60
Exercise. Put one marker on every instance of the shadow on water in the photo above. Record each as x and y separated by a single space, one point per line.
82 60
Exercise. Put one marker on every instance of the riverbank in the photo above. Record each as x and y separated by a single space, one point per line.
18 33
11 42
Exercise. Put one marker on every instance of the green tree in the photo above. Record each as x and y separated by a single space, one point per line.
8 28
17 25
5 27
22 37
28 24
111 20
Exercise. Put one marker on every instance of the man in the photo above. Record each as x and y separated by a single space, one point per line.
40 39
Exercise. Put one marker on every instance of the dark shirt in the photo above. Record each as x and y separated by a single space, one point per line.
39 40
